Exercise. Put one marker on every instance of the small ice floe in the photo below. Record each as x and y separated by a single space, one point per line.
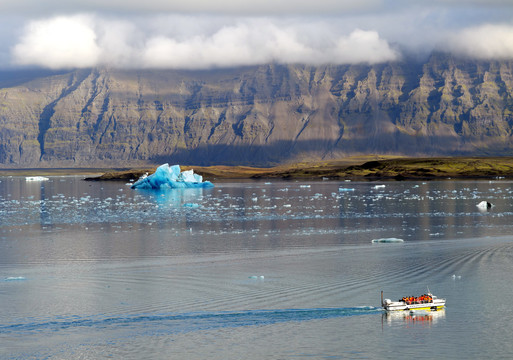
36 178
456 277
387 241
257 277
345 189
305 186
484 205
191 205
378 186
15 278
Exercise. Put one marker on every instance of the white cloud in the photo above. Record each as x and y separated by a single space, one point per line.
483 42
205 42
59 42
364 46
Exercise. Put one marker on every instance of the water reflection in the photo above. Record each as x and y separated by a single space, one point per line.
409 318
173 197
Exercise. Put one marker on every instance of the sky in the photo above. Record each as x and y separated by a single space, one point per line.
205 34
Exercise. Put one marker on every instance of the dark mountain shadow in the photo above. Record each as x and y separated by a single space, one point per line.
12 78
289 151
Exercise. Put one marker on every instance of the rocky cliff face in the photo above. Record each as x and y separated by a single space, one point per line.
258 115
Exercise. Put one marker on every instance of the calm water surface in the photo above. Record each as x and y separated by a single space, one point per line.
253 270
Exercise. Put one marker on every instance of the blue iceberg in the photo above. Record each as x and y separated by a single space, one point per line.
171 177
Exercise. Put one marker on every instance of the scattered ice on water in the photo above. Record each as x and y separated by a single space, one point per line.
15 278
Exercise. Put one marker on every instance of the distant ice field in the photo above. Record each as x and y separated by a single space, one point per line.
324 211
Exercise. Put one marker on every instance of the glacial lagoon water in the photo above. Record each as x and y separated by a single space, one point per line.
253 270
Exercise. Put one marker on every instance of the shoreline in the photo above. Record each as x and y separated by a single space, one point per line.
392 169
53 172
363 168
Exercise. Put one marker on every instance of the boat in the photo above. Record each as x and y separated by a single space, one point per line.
426 302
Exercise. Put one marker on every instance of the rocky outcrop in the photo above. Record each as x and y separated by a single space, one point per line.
257 115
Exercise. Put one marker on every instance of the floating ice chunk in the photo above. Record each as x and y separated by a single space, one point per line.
261 277
15 278
305 186
191 205
345 189
387 240
456 277
484 205
36 178
171 177
378 186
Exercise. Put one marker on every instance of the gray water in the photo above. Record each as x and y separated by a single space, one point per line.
253 270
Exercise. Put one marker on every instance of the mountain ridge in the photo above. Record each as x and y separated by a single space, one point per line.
261 115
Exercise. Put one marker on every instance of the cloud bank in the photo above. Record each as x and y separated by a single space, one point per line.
483 42
175 42
202 34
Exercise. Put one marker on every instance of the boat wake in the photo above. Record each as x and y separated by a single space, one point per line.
186 322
